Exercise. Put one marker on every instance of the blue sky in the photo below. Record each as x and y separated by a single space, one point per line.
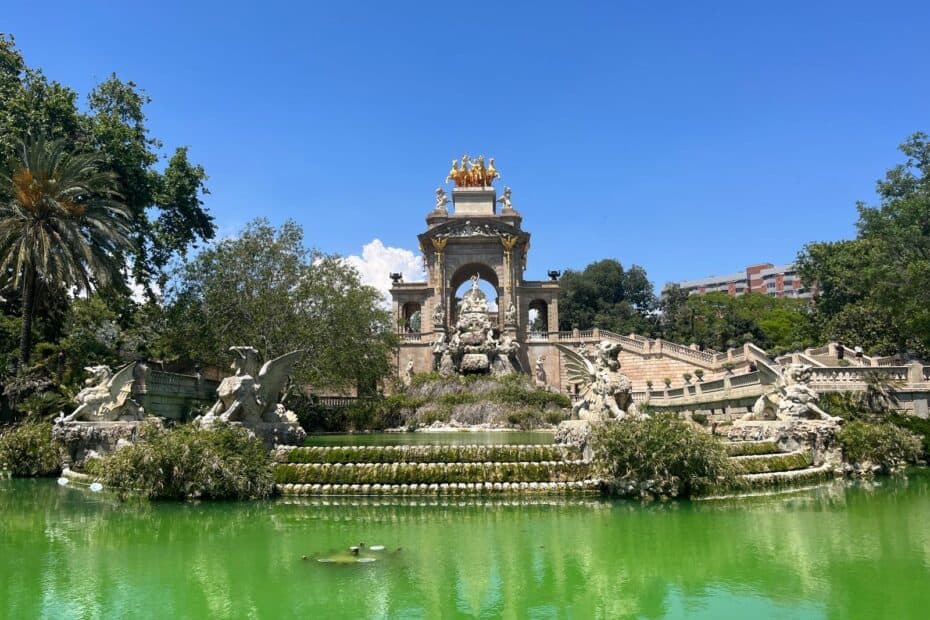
690 138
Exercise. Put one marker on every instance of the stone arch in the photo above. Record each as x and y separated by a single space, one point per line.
462 274
541 308
411 310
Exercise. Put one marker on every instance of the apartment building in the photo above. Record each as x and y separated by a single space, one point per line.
774 280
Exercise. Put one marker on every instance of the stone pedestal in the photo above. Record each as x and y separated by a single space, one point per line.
474 200
89 439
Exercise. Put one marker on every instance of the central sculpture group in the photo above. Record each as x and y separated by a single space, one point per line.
473 345
473 173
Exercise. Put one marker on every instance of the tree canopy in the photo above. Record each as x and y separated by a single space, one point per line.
721 321
266 289
166 212
874 290
605 295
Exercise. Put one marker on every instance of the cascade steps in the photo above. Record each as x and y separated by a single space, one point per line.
469 470
762 464
431 470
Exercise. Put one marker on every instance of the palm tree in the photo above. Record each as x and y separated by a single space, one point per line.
64 226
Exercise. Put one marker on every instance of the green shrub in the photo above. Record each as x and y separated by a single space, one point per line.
883 445
918 426
659 456
189 462
845 405
28 449
700 418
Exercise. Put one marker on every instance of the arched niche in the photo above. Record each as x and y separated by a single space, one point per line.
463 274
538 316
411 317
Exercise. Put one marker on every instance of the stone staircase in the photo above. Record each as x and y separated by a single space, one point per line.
432 470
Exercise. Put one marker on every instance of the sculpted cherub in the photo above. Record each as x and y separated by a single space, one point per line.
441 200
505 200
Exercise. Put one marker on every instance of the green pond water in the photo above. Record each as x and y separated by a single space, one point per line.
836 551
447 438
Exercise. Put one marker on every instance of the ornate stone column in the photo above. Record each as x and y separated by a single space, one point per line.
439 247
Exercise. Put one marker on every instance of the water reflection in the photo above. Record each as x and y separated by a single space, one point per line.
832 551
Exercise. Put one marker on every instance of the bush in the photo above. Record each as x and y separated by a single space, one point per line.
918 426
659 456
883 445
188 462
28 449
700 418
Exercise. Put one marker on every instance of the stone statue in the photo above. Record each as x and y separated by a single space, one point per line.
541 381
415 322
505 200
439 316
791 399
441 200
407 377
510 316
605 391
107 397
473 345
506 361
251 397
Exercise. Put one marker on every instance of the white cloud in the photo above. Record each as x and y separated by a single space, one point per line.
378 261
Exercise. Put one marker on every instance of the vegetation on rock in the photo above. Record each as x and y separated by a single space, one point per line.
188 462
509 401
880 446
661 456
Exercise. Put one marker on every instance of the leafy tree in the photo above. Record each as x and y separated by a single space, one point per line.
721 321
266 289
62 227
604 295
875 289
166 214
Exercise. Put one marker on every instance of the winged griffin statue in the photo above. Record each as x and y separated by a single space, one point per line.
107 397
605 391
791 398
250 397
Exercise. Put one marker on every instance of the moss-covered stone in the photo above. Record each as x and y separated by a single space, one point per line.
751 448
426 454
430 473
772 462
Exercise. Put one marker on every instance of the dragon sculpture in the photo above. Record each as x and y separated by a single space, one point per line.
250 397
792 398
605 391
107 397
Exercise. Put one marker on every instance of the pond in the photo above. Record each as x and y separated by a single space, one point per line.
436 438
836 551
